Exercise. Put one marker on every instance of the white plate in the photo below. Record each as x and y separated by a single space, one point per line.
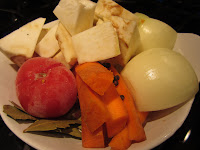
160 126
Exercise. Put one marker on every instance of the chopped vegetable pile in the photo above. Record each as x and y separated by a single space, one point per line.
93 65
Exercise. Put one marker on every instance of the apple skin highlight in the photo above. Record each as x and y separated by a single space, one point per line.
45 88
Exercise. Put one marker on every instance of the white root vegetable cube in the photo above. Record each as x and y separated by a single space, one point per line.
48 46
108 8
75 15
66 45
60 58
20 44
97 43
129 37
51 24
46 28
99 21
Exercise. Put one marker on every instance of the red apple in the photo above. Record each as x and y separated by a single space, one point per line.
45 87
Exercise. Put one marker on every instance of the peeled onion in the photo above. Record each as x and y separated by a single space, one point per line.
156 34
142 17
159 79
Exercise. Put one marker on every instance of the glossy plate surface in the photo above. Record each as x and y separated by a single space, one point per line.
160 125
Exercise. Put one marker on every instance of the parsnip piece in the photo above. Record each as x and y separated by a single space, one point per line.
99 21
75 15
129 39
97 43
108 8
48 46
60 57
46 28
66 45
51 24
20 44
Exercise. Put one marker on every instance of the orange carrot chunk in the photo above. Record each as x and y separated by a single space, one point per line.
135 128
121 140
117 110
143 116
96 76
93 111
95 139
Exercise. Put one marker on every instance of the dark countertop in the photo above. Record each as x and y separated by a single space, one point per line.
182 15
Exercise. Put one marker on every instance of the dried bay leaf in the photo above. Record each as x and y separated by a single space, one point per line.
80 128
17 106
72 115
49 125
74 132
69 124
17 114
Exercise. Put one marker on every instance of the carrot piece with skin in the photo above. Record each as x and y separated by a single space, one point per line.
135 128
95 75
121 140
143 116
117 110
93 110
95 139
